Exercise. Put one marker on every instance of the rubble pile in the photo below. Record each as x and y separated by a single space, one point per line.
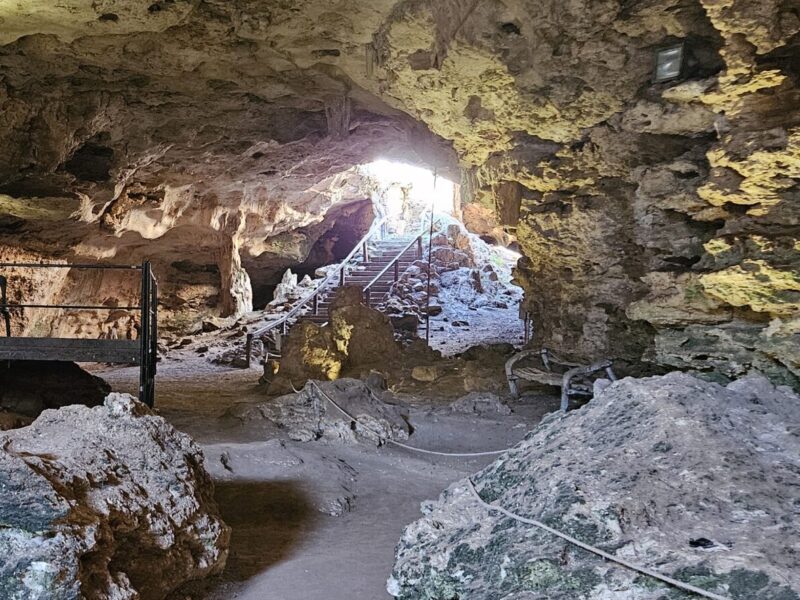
466 274
308 415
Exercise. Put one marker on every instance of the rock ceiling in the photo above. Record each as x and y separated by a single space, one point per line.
659 222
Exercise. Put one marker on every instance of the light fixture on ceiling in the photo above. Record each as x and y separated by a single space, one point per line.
669 63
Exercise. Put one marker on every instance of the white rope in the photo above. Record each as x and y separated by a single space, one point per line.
621 561
491 507
396 443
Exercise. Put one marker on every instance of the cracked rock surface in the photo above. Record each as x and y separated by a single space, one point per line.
657 221
692 479
105 503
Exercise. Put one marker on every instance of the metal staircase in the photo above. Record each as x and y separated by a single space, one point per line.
373 265
386 260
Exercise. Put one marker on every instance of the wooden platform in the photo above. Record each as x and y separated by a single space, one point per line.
68 349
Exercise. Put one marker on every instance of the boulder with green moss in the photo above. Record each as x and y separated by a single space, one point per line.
689 478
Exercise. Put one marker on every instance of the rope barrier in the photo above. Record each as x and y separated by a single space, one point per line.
491 507
620 561
394 442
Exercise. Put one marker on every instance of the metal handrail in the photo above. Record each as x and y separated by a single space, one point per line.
71 266
339 271
396 263
148 330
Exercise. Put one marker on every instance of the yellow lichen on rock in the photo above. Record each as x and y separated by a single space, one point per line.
766 174
473 99
756 285
677 299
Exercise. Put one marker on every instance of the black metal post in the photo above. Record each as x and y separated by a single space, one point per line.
153 340
248 349
4 304
144 330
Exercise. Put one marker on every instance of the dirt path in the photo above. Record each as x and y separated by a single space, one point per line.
270 490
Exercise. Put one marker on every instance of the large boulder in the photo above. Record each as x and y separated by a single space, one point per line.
310 352
363 334
694 480
357 339
108 502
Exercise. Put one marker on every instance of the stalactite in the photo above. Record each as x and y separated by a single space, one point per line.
337 114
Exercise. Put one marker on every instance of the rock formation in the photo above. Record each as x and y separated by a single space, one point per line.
465 274
108 502
691 479
356 338
308 415
658 221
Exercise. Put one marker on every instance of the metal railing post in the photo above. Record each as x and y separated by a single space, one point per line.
4 312
153 339
248 349
367 295
144 343
419 247
366 252
315 304
396 269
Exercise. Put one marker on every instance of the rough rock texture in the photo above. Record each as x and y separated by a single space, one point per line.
105 503
690 478
13 420
465 274
480 403
308 415
668 232
29 387
356 338
658 221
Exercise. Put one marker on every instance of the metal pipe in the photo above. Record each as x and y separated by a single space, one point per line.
430 255
70 266
75 306
248 349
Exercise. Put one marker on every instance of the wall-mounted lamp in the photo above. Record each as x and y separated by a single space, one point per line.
669 63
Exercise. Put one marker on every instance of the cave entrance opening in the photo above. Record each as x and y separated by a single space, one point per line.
406 194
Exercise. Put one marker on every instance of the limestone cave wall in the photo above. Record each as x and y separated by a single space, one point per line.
658 222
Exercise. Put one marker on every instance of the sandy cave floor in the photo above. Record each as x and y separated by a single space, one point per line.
282 547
